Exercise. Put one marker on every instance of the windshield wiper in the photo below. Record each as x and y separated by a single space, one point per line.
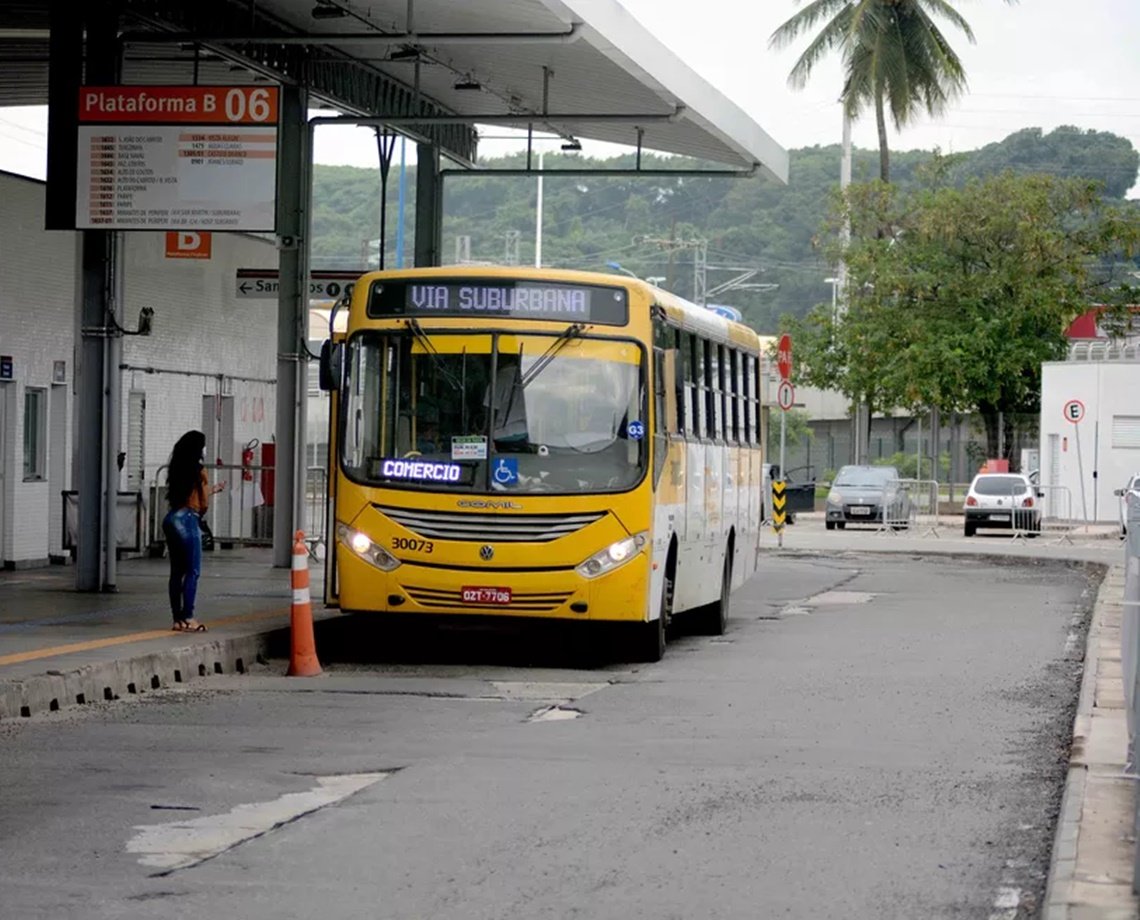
573 332
429 348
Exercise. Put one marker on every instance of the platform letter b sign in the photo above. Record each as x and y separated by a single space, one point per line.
188 244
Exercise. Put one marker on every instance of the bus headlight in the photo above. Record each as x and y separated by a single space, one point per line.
612 556
362 545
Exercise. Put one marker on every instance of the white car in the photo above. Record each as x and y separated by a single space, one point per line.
1002 500
1128 495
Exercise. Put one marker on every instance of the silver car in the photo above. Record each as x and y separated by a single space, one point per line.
1129 495
1008 501
868 495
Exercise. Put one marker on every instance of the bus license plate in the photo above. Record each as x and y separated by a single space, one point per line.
499 596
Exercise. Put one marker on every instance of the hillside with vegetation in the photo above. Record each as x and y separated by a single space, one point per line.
648 224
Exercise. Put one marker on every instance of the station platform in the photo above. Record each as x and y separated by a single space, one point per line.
60 647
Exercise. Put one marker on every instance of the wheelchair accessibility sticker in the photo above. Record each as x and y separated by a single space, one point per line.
506 471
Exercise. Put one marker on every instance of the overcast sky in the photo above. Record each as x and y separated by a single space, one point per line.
1037 63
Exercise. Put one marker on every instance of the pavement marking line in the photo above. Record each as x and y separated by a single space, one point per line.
93 644
184 844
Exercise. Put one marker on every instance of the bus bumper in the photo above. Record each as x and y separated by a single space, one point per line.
618 596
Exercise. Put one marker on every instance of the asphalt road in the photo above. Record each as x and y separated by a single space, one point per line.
876 737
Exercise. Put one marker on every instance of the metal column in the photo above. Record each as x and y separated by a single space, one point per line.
429 206
90 476
292 320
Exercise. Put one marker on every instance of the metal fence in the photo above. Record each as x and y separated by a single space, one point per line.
242 513
925 500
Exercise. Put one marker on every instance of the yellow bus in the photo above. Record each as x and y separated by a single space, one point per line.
541 443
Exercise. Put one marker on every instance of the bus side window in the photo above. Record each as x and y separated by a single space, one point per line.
754 400
700 405
745 405
732 418
665 390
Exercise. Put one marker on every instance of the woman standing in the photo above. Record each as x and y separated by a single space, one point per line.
187 493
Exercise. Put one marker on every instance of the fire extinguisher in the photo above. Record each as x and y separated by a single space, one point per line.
247 460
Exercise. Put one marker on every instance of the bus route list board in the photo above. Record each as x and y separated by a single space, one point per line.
177 158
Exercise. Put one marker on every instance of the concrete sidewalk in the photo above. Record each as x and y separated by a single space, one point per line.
60 648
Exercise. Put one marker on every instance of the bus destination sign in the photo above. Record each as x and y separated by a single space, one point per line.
549 300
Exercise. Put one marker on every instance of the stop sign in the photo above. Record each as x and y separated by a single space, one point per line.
784 356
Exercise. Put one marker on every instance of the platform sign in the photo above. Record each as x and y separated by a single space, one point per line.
262 283
177 158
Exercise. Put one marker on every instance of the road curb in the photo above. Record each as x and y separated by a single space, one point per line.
1063 899
111 680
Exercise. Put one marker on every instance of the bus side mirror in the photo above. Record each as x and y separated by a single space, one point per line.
331 365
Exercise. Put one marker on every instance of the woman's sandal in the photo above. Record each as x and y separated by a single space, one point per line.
188 626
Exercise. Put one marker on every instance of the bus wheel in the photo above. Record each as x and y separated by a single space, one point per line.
713 619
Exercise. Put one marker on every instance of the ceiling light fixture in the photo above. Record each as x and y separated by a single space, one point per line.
328 11
406 53
466 83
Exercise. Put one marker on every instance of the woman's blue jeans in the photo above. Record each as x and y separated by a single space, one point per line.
184 544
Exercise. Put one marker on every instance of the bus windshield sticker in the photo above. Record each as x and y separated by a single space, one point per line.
512 299
469 447
635 430
422 470
506 471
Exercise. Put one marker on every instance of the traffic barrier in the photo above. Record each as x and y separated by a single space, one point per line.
1025 520
896 510
1057 513
302 641
925 497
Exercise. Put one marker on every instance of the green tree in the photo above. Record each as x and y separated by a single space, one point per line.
894 56
972 289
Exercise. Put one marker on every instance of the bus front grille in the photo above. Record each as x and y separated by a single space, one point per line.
502 528
439 599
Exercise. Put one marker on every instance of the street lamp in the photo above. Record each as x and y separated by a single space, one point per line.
834 282
616 266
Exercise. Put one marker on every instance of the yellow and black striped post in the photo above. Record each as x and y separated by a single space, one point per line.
779 507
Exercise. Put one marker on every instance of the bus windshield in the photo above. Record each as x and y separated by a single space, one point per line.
565 413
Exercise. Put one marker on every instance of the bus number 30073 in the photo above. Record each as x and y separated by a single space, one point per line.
418 546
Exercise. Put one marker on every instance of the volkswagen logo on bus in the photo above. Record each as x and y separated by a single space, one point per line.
486 552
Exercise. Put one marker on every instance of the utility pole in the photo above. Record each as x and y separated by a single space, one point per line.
512 254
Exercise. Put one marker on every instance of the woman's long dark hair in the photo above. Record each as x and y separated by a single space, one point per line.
184 471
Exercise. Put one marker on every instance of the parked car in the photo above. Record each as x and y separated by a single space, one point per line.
1002 500
867 495
1128 495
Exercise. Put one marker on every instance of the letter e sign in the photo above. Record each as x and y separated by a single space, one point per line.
1074 411
188 244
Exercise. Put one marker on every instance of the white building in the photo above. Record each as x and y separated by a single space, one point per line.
1084 461
210 363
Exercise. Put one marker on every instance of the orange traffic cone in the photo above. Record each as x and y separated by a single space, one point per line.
303 645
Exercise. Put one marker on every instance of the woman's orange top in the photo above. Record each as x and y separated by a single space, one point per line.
199 499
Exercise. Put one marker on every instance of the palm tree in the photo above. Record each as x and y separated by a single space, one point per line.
893 56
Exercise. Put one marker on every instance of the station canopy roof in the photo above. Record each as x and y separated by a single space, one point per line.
581 69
